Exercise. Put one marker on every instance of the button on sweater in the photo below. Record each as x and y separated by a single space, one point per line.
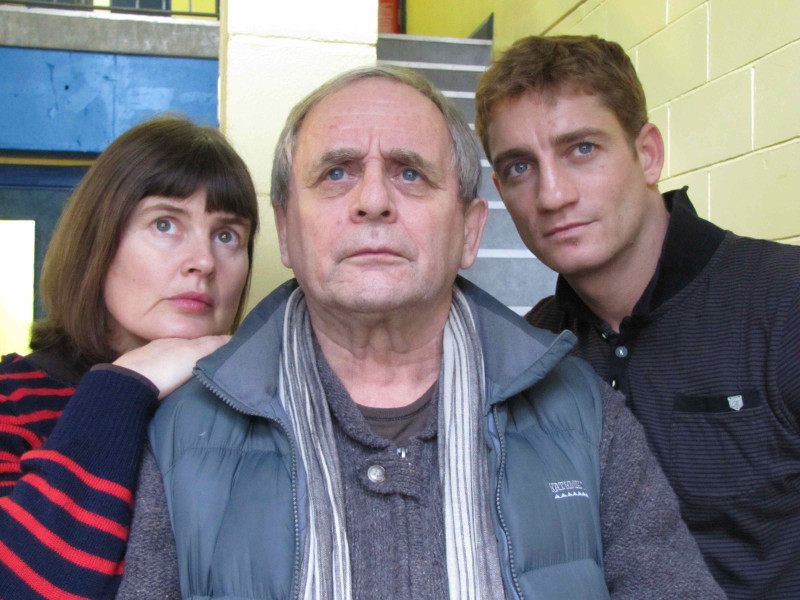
393 504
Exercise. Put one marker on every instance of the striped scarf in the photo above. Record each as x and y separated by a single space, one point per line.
473 567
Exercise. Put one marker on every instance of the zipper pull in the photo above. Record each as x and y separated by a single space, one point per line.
401 452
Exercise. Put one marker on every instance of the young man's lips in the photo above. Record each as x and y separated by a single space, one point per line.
194 302
566 228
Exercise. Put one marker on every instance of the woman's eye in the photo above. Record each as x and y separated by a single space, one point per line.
164 225
228 237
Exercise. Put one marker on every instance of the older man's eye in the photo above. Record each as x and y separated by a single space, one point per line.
410 175
336 174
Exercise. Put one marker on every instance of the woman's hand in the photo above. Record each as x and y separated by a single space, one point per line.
168 362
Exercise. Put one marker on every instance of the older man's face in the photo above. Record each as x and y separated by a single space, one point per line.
374 223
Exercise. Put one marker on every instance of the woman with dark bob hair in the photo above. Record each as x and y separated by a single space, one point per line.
147 272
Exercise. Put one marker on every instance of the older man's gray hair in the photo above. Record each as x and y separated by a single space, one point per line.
465 150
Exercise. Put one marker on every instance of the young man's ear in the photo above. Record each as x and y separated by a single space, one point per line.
650 152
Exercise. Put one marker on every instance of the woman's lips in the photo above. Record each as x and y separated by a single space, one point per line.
193 302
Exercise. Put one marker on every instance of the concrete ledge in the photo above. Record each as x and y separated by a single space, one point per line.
95 31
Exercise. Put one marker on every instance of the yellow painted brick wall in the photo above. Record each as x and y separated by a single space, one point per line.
271 55
446 19
722 78
198 6
17 239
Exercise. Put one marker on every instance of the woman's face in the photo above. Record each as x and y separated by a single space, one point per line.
179 272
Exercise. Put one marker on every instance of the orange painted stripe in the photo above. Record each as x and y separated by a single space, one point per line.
39 415
23 392
77 512
93 481
58 544
34 581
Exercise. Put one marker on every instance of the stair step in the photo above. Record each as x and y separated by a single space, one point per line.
418 48
516 282
458 78
504 266
501 235
466 105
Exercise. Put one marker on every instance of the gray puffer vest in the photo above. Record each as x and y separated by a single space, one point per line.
237 493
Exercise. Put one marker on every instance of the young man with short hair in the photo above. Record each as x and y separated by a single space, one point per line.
698 327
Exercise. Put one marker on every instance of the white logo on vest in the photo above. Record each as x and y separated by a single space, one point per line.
735 402
568 489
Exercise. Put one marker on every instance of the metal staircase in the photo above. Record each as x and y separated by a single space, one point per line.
505 267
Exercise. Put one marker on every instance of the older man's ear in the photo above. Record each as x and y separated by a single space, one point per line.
280 224
474 221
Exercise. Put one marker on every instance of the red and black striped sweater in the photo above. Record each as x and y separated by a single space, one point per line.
69 459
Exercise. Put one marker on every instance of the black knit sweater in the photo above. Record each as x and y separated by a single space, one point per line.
709 361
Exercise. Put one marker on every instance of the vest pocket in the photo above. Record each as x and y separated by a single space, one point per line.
575 580
720 446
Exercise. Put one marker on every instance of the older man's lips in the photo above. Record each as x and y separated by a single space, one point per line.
192 302
374 253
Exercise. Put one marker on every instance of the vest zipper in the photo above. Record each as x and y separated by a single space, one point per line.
207 383
500 476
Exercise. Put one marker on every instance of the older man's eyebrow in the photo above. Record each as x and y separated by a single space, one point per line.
330 159
414 160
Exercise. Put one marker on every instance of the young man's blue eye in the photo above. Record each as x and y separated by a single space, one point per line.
519 168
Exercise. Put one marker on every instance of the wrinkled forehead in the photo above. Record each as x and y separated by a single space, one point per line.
377 116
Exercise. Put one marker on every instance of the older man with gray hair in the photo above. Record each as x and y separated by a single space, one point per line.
380 428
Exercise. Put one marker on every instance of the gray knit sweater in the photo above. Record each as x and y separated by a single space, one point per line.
638 512
395 526
151 565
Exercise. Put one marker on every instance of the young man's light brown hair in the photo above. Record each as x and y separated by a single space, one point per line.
563 64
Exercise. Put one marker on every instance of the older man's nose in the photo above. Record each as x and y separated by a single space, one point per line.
373 197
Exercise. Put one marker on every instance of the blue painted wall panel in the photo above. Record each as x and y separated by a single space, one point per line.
149 85
80 101
55 100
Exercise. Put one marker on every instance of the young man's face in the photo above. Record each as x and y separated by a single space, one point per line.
574 186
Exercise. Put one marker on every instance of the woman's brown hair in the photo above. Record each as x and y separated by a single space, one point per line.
167 156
